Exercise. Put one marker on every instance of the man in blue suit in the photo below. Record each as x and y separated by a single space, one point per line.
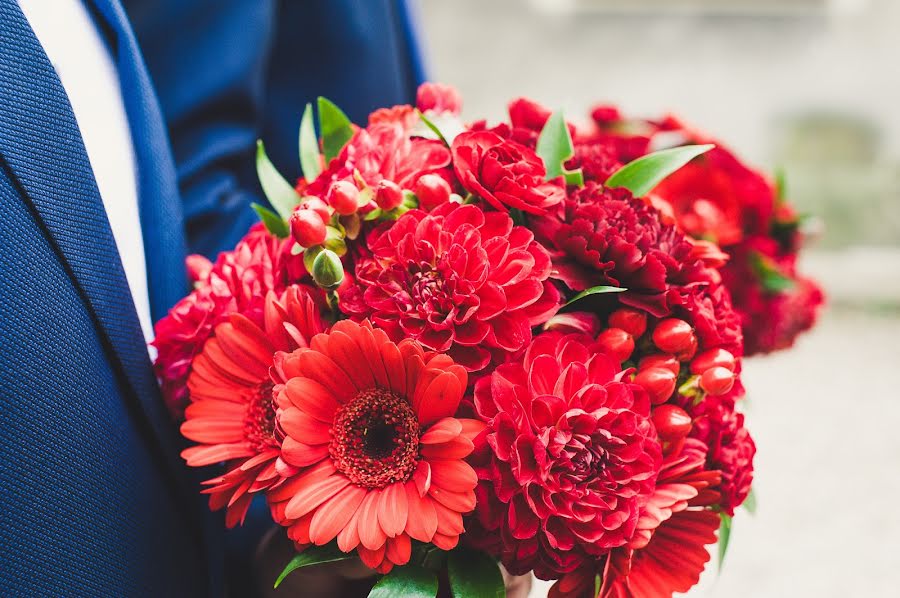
126 141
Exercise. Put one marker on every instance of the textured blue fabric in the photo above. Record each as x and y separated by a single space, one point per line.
94 500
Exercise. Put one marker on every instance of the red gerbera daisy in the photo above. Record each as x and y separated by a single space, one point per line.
231 414
572 457
370 426
458 280
236 283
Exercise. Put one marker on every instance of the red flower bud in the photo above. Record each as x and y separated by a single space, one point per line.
616 343
344 197
198 267
660 360
672 422
388 195
307 228
712 358
658 382
432 190
673 335
632 321
318 206
717 380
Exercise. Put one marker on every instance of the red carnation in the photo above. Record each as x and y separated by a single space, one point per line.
569 460
458 280
383 150
438 97
237 283
606 236
504 173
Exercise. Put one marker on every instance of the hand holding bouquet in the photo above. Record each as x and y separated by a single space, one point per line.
450 346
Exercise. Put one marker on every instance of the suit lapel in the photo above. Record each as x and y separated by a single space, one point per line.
42 146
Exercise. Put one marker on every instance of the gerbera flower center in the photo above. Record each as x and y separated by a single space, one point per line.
375 439
259 423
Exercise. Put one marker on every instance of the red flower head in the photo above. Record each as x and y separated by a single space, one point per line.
717 197
731 449
383 150
237 283
370 427
668 552
528 114
606 236
231 415
504 173
571 457
458 280
438 97
708 308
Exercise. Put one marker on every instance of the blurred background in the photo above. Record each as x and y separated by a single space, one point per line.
810 86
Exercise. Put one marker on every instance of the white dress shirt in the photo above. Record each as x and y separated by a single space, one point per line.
88 73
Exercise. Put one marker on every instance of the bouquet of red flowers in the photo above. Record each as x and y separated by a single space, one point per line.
450 346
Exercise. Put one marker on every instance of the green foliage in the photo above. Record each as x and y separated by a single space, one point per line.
770 277
474 574
271 220
599 290
750 502
309 146
314 555
555 148
724 537
409 581
642 175
433 127
278 191
335 127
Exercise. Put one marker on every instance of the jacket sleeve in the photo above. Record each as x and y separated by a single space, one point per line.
228 72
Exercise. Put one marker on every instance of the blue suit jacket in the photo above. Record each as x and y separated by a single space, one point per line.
94 499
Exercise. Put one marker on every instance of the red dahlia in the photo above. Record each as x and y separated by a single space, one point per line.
606 236
370 427
457 280
569 460
231 415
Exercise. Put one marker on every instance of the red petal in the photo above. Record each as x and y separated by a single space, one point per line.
300 454
313 398
315 494
439 399
328 522
392 510
422 520
300 425
455 476
371 535
398 550
443 431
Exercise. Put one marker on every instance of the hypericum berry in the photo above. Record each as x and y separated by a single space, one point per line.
307 228
712 358
388 195
688 352
672 422
432 190
660 360
630 320
344 197
673 335
658 382
717 380
316 205
616 343
327 270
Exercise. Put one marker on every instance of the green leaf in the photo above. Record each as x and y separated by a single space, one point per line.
724 537
770 277
274 223
595 291
309 146
409 581
474 574
780 186
554 146
750 502
278 191
433 127
314 555
335 127
642 175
